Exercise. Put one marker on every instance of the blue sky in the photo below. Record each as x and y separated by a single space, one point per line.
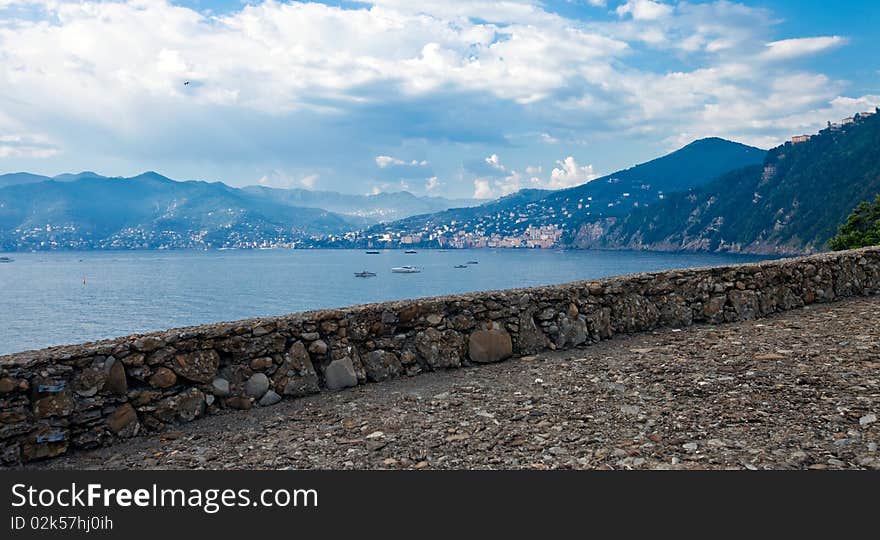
453 98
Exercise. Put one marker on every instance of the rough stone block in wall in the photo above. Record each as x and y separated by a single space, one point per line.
82 396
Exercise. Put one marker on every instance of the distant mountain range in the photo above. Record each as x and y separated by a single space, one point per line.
376 208
517 220
712 195
790 204
14 179
148 211
90 211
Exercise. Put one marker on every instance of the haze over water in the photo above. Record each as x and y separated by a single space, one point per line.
45 302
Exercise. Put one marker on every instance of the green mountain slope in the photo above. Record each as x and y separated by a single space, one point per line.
509 219
13 179
794 203
490 218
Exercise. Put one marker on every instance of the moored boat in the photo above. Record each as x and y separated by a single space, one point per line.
473 262
405 270
410 251
365 273
461 266
6 259
372 253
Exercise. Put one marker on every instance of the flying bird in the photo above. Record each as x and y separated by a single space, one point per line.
186 83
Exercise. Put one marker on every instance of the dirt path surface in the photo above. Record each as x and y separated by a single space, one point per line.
797 390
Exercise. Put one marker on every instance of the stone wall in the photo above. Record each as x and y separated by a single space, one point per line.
83 396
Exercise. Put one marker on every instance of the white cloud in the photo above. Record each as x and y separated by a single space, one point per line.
482 189
495 162
278 57
432 183
787 49
305 86
385 161
569 174
309 181
26 146
283 180
644 10
387 187
388 161
505 185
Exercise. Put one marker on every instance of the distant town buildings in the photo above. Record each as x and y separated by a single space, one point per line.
411 239
797 139
835 126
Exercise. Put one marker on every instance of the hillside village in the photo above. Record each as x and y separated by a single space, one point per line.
451 236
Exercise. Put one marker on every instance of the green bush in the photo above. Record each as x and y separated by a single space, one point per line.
861 229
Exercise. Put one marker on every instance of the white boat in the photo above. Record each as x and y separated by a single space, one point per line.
405 270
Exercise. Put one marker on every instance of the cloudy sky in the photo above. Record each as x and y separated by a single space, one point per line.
454 98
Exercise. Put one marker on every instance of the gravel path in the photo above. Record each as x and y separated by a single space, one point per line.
798 390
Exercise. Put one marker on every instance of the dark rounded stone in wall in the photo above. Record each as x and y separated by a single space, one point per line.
117 383
486 346
257 385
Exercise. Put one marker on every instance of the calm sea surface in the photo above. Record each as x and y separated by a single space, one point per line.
44 302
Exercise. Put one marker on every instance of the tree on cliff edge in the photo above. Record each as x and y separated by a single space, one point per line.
861 229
